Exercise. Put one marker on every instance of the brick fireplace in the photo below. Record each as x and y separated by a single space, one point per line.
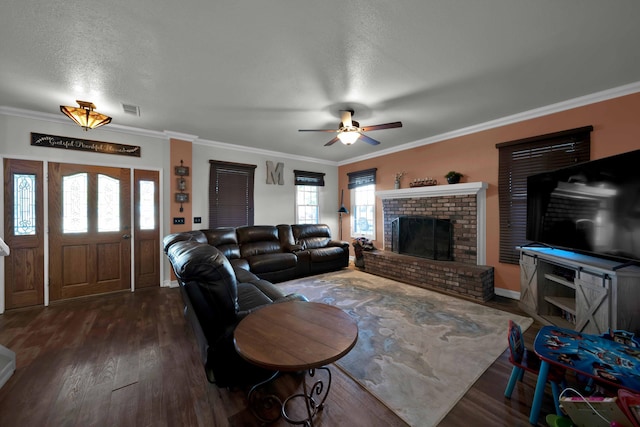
462 204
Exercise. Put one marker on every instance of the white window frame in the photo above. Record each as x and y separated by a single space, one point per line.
363 211
303 203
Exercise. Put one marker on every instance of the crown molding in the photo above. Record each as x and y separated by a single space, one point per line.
164 135
181 136
514 118
593 98
59 119
260 151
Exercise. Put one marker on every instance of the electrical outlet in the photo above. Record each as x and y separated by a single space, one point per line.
178 220
197 219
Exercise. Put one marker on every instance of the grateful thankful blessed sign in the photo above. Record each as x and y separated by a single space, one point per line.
53 141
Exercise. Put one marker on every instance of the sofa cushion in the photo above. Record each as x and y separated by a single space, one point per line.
311 236
267 263
325 254
258 240
250 297
225 239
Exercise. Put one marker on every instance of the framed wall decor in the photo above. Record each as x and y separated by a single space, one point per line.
182 184
182 197
182 170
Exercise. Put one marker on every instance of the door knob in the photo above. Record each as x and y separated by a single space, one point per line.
126 236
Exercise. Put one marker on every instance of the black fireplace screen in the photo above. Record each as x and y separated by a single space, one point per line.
422 236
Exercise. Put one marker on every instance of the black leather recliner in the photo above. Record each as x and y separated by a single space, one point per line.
318 252
215 302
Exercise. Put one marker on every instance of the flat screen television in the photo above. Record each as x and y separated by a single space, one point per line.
591 207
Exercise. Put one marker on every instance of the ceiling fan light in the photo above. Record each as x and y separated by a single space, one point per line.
85 116
348 138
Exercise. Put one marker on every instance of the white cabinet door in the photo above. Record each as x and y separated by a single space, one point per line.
529 282
593 303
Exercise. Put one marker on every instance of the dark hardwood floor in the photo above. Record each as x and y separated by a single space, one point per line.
130 359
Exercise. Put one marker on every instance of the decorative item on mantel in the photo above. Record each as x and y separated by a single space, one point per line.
453 177
423 182
397 177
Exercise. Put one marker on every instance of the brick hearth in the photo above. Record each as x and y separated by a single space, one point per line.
464 206
461 279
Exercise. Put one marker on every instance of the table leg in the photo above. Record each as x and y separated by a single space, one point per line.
265 407
314 396
539 393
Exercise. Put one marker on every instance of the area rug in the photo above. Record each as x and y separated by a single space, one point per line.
418 351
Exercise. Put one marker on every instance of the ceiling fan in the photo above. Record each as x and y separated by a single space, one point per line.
349 131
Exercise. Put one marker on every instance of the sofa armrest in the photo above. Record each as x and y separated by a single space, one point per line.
293 248
338 243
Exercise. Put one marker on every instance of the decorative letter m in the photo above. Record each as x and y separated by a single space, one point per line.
275 175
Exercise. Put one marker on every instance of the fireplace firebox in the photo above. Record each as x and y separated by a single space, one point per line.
422 236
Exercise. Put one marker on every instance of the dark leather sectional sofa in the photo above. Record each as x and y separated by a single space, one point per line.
226 273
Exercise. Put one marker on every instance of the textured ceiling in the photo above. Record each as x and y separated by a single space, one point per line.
254 72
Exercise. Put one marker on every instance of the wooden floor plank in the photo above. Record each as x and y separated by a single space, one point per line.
131 359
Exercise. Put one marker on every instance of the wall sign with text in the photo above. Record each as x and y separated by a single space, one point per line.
53 141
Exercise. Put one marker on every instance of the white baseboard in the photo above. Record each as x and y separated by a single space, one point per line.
507 293
170 284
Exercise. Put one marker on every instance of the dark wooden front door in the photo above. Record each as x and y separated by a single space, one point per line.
23 233
146 228
89 230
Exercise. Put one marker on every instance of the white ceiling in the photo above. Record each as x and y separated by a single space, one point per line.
254 72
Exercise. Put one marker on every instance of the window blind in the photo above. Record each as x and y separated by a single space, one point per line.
520 158
230 194
309 178
360 178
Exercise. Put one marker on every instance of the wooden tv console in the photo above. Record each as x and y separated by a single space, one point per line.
580 292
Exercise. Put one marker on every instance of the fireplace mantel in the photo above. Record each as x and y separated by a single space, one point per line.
468 188
435 190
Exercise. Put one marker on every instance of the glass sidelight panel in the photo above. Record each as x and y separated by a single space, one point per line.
147 206
24 204
108 204
74 203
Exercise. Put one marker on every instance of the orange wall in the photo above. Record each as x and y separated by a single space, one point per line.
616 129
180 150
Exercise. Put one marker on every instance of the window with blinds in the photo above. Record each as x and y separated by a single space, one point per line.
230 194
308 196
521 158
363 203
308 178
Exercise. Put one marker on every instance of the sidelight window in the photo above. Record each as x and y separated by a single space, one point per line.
24 204
147 206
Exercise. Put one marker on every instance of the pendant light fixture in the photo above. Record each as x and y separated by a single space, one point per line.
85 116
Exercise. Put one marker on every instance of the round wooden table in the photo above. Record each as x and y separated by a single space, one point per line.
296 336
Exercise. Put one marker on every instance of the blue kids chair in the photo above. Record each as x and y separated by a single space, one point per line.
524 360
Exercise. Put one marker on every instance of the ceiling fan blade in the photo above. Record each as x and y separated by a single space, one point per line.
383 126
368 140
318 130
333 141
345 118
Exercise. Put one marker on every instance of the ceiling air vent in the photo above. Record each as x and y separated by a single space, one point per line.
131 109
